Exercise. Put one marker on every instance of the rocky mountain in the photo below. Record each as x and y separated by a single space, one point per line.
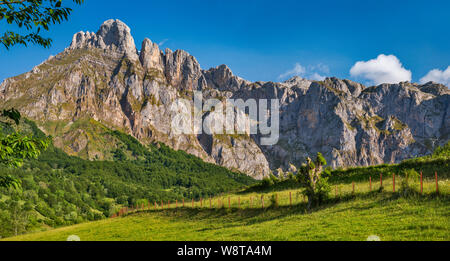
101 82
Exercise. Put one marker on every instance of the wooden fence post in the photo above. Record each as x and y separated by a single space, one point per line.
353 185
421 183
168 203
210 204
192 202
370 183
176 203
262 201
393 182
229 202
201 202
156 206
437 184
162 204
251 201
290 198
183 202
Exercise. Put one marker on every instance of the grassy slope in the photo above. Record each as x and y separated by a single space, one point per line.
386 214
347 218
61 190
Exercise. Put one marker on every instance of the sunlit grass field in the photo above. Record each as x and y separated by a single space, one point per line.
347 215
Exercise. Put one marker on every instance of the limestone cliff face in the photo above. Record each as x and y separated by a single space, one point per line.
101 81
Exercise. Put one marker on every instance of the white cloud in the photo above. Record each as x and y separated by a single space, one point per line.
383 69
320 68
163 42
437 75
311 72
298 70
317 77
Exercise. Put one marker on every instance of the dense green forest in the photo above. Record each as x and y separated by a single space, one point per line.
58 189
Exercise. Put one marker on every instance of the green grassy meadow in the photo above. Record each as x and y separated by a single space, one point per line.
347 216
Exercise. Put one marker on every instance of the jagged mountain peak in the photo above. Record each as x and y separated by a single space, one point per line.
101 79
151 56
435 88
113 35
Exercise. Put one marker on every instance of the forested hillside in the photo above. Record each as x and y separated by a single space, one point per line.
58 189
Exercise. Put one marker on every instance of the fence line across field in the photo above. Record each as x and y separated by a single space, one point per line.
250 201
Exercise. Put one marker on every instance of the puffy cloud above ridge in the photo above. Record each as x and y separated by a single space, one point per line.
438 76
383 69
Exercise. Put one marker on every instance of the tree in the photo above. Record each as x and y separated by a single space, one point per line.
16 147
19 215
310 177
31 16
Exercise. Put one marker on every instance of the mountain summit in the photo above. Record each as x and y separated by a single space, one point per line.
101 82
113 35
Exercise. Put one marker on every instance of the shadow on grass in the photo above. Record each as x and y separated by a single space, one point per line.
235 217
279 186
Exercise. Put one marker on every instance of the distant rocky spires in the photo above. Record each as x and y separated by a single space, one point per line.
222 78
179 67
182 69
113 35
151 56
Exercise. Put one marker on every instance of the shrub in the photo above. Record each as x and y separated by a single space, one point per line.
290 176
327 172
266 183
310 177
274 179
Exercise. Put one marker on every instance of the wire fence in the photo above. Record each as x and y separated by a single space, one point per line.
288 198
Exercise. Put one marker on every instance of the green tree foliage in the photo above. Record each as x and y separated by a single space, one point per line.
310 177
442 151
31 16
16 147
64 190
266 182
274 178
18 218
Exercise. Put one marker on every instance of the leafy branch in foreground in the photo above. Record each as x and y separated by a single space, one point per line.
15 147
31 16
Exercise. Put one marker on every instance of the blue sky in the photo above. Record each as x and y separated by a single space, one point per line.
263 40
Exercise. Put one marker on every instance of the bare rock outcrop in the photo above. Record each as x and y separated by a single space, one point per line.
101 81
